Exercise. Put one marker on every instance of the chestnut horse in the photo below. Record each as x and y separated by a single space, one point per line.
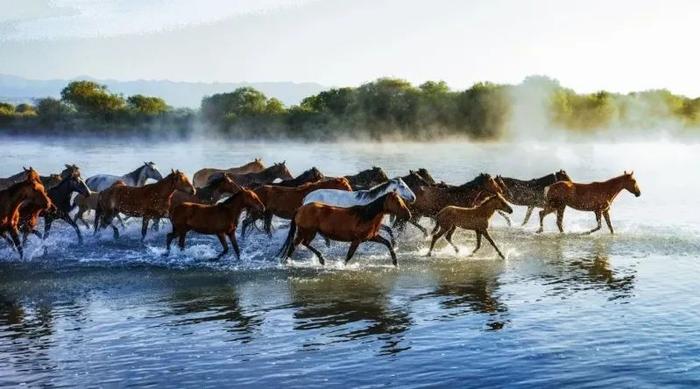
264 177
355 225
433 198
209 194
596 197
530 193
474 218
148 202
202 177
220 219
28 192
283 202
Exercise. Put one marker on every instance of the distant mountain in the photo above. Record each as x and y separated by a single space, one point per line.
177 94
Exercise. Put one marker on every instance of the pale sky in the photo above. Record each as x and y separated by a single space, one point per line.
588 45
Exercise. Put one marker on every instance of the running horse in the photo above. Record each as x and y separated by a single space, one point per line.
202 177
150 201
283 202
596 197
367 178
355 225
28 192
48 181
311 175
530 193
60 195
209 194
138 177
264 177
220 219
474 218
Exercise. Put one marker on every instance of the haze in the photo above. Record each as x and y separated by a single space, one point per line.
587 45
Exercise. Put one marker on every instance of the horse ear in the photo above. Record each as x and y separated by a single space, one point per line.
625 172
632 173
172 170
25 168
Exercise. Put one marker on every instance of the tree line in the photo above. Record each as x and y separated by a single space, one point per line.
383 108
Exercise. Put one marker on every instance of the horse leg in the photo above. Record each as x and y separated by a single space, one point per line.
437 236
234 244
488 237
606 213
267 218
168 241
79 216
75 227
388 230
156 225
144 227
544 212
528 213
292 247
222 239
245 225
418 226
121 221
181 240
380 239
478 242
307 243
449 238
328 241
351 251
14 234
505 216
598 220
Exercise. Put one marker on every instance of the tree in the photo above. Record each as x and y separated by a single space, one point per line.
241 103
93 99
146 105
52 110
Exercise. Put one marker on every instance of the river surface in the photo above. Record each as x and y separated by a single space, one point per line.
572 310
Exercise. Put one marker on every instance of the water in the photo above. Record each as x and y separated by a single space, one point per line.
578 310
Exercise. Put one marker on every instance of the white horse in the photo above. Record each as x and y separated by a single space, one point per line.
345 199
138 177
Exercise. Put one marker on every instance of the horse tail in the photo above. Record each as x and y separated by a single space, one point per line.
435 229
546 191
290 239
98 216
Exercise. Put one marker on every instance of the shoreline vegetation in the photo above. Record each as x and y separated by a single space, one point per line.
381 109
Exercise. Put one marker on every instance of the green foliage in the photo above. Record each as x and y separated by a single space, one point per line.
146 105
226 108
52 110
93 100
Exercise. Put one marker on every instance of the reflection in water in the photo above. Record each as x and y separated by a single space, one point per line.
351 306
467 287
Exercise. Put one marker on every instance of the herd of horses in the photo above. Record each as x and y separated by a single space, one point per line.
349 208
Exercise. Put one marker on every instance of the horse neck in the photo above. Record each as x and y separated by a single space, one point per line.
547 180
137 177
489 207
614 186
16 198
163 187
234 206
60 194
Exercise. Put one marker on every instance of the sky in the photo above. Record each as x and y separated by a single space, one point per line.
620 46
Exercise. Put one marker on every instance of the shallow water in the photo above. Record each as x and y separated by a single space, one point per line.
561 309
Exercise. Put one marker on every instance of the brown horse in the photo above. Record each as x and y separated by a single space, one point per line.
355 225
220 219
368 178
202 177
148 202
433 198
28 192
596 197
48 181
283 202
473 218
264 177
209 194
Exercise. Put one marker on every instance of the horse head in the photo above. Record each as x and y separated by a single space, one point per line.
281 171
504 188
151 171
316 174
70 170
226 185
630 183
423 173
500 203
180 182
562 176
400 187
32 175
393 204
76 184
251 201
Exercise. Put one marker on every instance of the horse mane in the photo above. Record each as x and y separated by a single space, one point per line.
233 197
371 210
374 191
215 181
477 181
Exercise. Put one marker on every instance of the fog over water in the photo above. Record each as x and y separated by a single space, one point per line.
611 310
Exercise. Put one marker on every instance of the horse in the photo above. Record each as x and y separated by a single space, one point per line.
422 173
474 218
433 198
264 177
209 194
137 177
282 201
311 175
415 179
29 192
530 193
48 181
596 197
220 219
355 225
367 178
148 202
202 177
60 195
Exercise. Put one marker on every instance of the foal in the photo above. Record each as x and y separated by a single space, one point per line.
356 224
220 219
475 218
596 197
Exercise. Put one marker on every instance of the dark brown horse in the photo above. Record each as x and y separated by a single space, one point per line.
474 218
148 202
283 202
202 177
311 175
48 181
530 193
209 194
60 195
264 177
596 197
29 192
367 178
355 225
220 219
